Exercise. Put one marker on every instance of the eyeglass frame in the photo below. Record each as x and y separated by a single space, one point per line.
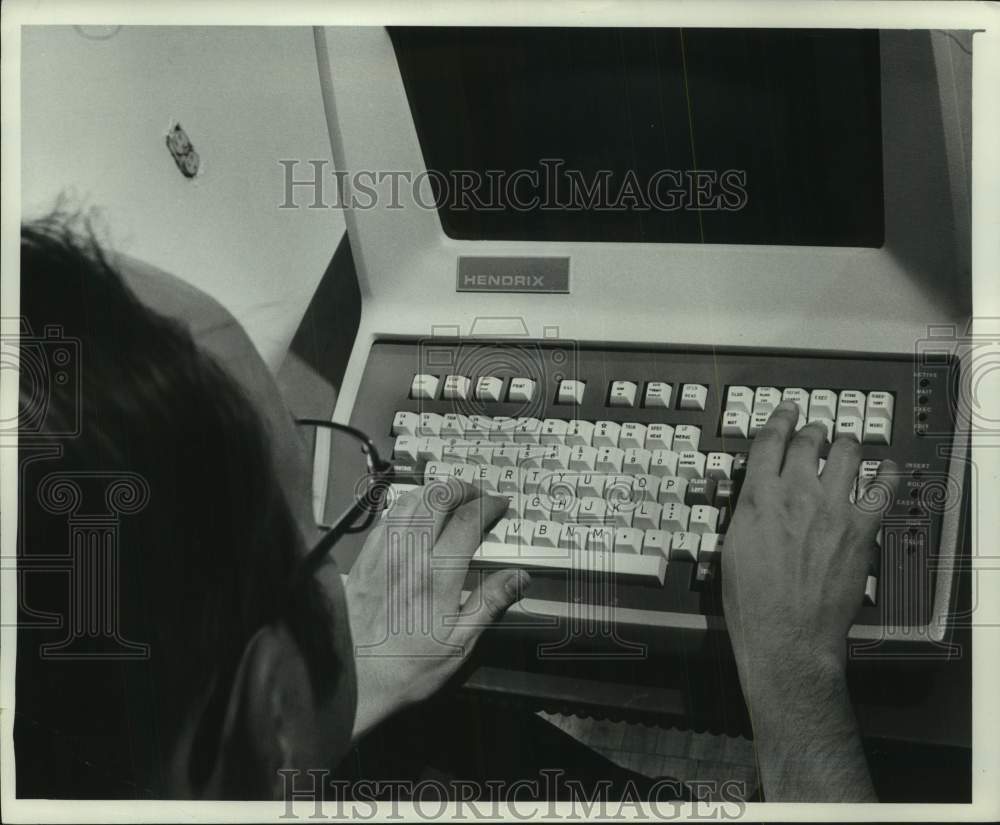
381 474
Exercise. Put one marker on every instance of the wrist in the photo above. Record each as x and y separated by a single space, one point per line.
782 683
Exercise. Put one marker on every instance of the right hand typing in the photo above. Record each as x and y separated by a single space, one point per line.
798 550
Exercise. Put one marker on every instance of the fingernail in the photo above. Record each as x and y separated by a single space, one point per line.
788 406
517 584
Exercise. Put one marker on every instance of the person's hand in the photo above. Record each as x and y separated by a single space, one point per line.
798 550
794 566
409 631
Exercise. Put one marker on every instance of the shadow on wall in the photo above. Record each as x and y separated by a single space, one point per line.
311 373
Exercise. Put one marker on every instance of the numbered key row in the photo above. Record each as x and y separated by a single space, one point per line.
484 429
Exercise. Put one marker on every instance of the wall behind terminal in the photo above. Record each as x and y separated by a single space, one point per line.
96 105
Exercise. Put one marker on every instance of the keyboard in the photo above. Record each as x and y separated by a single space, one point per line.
622 468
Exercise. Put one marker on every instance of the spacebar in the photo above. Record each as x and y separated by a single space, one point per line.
627 566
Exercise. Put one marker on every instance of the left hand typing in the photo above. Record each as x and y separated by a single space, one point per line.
409 632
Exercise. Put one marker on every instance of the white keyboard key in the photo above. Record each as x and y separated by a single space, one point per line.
601 539
648 570
564 484
502 429
506 455
672 490
458 453
869 468
739 399
579 432
464 472
878 431
530 455
430 449
647 515
521 390
538 507
691 464
636 461
546 534
582 457
405 423
623 394
848 425
429 424
591 484
479 427
632 435
424 387
735 424
675 517
535 479
694 397
509 480
704 519
656 543
618 487
573 536
489 388
480 454
851 403
879 405
628 540
454 424
570 392
686 437
645 487
621 513
826 422
684 546
609 460
436 471
593 510
553 431
519 531
556 457
393 493
498 532
606 434
765 399
488 478
658 394
719 466
710 547
405 448
757 422
565 510
663 463
527 430
822 404
456 387
798 396
659 437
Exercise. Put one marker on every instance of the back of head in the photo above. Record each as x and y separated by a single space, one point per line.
153 539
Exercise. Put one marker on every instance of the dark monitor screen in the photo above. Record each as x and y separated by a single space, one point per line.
717 136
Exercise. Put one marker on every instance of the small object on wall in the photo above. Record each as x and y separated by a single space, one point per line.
182 151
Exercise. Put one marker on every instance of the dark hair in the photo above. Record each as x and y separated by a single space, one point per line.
116 396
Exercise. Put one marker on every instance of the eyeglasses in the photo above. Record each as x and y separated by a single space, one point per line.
349 477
